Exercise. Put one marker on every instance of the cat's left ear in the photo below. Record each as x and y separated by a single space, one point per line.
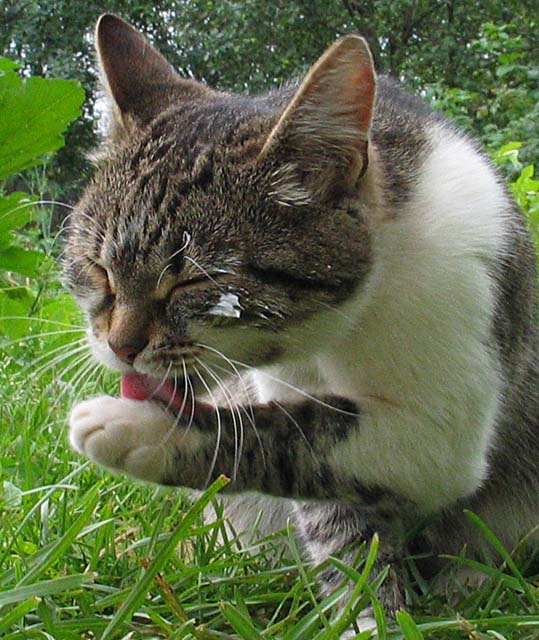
321 138
139 80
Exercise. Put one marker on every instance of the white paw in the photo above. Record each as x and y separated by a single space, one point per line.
125 435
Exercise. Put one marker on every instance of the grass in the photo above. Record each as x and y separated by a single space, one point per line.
84 554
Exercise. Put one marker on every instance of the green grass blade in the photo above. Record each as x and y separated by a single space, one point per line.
498 546
59 486
138 593
352 608
18 612
408 626
379 614
239 622
44 588
60 547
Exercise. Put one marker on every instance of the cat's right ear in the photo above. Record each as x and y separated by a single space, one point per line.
138 79
320 142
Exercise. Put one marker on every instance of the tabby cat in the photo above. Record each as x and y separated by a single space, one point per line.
324 293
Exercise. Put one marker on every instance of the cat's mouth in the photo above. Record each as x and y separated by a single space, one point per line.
167 391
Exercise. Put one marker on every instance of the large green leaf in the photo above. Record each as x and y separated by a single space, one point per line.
34 114
15 211
26 263
7 65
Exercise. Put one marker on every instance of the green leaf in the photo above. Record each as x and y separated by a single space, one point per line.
34 114
7 65
15 304
26 263
15 211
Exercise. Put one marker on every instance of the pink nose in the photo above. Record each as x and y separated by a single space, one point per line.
127 351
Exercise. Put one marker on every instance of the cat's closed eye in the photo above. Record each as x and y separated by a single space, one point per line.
90 274
197 282
99 278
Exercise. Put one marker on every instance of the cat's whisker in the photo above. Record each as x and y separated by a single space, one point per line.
95 226
219 426
66 349
37 336
248 414
87 369
298 427
187 240
249 411
50 364
236 372
188 391
351 322
75 365
86 364
164 270
234 411
36 203
203 271
179 415
193 399
47 321
160 385
290 386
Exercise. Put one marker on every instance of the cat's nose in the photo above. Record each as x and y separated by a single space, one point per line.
128 350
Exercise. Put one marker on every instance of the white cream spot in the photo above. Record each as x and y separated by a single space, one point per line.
228 306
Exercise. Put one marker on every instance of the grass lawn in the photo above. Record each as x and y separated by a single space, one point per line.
85 554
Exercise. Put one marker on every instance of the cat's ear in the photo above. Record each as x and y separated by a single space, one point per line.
321 139
140 82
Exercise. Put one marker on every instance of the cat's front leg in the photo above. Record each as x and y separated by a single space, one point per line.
135 437
284 452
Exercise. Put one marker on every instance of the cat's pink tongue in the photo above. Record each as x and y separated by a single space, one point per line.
138 386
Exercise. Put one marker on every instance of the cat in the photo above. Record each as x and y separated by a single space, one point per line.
352 263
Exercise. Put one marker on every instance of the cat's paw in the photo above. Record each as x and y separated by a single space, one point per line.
135 437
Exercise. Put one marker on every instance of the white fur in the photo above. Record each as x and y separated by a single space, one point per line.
126 435
412 351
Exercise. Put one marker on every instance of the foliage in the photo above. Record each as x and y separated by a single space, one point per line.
33 114
501 101
83 554
524 188
484 52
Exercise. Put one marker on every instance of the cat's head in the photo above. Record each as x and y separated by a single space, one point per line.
222 223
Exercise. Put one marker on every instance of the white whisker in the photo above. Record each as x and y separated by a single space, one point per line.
295 423
248 414
238 442
37 336
236 371
289 385
203 271
219 426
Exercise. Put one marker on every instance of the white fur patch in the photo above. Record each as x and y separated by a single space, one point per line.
413 351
